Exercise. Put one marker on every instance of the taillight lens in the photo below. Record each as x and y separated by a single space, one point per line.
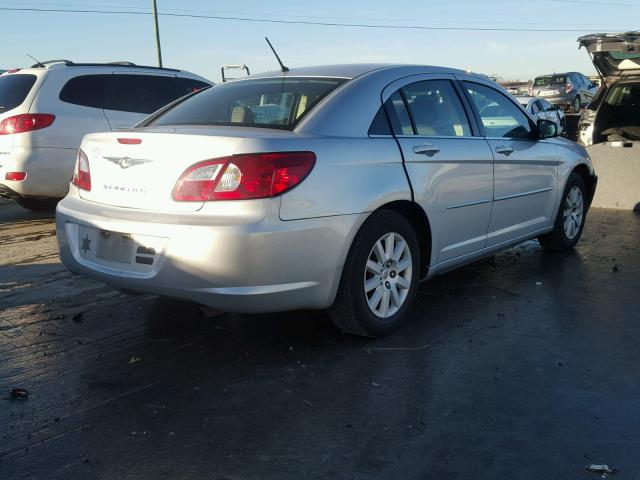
568 88
15 176
26 122
81 173
244 177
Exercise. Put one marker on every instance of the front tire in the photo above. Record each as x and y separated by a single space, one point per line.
577 104
47 205
570 218
380 277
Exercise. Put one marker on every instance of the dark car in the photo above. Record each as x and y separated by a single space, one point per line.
614 114
569 91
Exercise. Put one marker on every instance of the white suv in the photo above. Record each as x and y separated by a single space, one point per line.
45 111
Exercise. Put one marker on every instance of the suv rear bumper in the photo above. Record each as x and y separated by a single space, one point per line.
48 170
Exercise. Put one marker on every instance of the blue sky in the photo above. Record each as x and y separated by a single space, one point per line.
203 45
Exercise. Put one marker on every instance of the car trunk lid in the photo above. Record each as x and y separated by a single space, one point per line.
139 169
614 55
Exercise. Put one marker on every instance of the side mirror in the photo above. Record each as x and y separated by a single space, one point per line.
547 129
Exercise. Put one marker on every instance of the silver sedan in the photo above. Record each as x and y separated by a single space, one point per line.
336 188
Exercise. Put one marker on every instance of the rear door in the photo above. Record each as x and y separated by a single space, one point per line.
525 167
450 169
133 96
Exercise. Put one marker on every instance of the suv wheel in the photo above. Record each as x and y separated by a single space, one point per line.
570 218
380 277
38 204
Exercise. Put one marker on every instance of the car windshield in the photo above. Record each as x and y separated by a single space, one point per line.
14 88
549 80
269 102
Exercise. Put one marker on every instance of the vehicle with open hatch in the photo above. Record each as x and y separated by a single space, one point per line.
614 114
336 187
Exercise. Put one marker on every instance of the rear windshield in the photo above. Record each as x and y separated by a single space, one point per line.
550 80
14 88
269 102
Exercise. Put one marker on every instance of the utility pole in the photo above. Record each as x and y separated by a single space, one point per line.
155 22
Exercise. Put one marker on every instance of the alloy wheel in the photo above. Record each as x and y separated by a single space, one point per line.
387 276
573 212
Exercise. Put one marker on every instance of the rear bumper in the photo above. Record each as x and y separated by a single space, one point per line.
263 265
48 170
561 100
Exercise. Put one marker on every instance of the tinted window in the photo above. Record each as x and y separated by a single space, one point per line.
189 85
380 125
86 90
436 109
535 107
14 89
140 93
268 102
624 95
398 115
546 106
500 117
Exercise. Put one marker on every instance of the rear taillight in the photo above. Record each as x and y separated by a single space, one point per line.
15 176
568 88
26 122
81 173
243 177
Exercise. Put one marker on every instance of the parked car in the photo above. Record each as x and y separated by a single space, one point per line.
540 109
334 187
45 111
614 114
570 90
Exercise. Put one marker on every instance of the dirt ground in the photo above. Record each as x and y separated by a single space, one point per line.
522 366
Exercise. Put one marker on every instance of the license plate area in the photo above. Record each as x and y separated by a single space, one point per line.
114 246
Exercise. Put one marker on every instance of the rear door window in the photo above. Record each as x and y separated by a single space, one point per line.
140 93
436 109
86 90
14 89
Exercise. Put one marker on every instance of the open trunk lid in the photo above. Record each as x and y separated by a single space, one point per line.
139 169
615 55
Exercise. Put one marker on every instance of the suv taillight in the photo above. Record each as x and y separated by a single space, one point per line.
243 177
25 122
81 173
568 88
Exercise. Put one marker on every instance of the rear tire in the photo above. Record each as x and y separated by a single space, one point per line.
570 218
38 204
380 277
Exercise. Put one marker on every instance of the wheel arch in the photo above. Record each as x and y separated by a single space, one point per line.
420 222
589 180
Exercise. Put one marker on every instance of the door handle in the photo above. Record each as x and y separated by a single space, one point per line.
504 150
427 149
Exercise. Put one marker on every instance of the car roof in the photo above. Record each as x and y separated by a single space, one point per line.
61 63
353 70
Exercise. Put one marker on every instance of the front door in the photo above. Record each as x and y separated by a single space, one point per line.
525 168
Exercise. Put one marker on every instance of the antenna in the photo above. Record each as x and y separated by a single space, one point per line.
37 61
282 67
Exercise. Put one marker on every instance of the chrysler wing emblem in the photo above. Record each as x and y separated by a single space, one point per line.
126 162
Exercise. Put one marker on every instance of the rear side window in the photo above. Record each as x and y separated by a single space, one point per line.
380 125
268 102
86 90
14 89
190 85
141 93
398 115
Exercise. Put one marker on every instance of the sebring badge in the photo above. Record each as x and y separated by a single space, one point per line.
126 162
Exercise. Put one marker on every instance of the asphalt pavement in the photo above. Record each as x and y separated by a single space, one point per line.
521 366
